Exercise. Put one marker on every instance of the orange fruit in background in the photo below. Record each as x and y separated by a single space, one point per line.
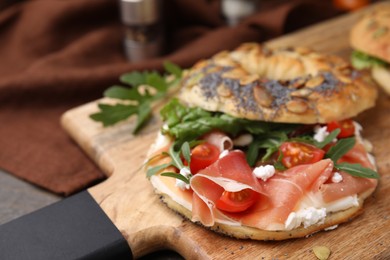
350 5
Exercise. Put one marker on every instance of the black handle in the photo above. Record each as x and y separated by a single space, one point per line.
73 228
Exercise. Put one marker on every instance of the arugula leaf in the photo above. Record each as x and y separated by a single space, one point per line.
176 162
152 171
270 142
361 60
253 153
143 89
186 151
175 156
177 176
270 145
278 164
328 139
340 148
357 170
188 123
173 112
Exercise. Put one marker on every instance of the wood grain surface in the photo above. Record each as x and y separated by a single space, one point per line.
148 225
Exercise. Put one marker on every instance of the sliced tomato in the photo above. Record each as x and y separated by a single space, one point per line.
347 128
236 201
296 153
203 155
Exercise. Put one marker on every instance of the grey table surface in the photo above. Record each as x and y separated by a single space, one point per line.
18 198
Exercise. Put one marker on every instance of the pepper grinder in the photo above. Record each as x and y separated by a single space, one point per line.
236 10
143 30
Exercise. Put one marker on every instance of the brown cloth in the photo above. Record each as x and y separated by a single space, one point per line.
56 55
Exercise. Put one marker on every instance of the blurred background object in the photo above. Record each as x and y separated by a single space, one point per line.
350 5
143 25
236 10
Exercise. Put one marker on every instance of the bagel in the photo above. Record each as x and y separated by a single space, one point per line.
219 163
370 38
290 85
371 34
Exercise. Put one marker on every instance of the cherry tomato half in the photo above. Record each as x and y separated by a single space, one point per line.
203 155
236 201
296 153
346 126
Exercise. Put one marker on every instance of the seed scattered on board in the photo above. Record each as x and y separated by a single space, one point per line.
321 252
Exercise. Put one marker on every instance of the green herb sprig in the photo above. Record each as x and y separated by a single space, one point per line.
339 150
142 90
361 60
188 123
176 161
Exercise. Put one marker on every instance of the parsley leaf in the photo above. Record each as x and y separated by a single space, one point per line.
143 88
110 114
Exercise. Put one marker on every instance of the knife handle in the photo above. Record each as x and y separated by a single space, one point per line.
73 228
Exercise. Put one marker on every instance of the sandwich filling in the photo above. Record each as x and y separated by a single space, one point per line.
270 176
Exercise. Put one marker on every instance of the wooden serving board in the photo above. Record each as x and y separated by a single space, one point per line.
148 225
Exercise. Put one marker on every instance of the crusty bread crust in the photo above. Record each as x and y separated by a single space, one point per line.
245 232
293 85
371 34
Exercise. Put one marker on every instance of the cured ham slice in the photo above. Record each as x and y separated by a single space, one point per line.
279 195
231 173
285 190
219 139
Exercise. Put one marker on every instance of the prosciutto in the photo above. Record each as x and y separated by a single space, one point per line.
231 173
278 196
219 139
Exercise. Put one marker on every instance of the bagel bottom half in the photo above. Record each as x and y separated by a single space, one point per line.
245 232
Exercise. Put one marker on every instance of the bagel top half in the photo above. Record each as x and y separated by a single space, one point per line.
289 85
